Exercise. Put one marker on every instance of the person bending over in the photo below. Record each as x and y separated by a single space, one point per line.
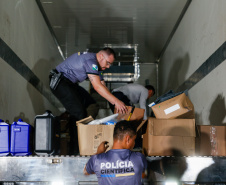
132 94
64 84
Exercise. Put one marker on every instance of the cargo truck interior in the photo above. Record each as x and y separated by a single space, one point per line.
173 45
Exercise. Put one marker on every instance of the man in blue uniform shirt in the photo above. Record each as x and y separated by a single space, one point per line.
75 69
120 165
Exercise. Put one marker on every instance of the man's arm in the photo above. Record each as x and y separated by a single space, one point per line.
101 149
85 172
104 84
104 92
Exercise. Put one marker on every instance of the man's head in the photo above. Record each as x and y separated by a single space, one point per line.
105 58
151 90
124 135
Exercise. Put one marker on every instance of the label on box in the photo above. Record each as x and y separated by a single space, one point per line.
97 137
172 109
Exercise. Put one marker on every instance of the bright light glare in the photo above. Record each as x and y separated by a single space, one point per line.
57 183
171 183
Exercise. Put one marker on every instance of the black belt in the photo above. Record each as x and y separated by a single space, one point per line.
67 80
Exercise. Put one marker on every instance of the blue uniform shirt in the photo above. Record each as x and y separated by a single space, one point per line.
118 167
77 67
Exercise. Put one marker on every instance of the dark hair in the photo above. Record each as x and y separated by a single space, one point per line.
124 127
109 51
150 87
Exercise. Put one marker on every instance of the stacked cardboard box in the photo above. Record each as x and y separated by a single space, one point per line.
90 136
164 136
211 140
172 130
177 107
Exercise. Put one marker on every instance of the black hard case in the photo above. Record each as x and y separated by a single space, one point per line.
47 134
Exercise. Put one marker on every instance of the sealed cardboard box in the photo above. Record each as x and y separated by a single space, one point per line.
177 107
163 136
90 136
211 140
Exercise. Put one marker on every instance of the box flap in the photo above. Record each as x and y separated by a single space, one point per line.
141 125
138 114
85 120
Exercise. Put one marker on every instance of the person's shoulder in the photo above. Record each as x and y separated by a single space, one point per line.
90 55
100 156
90 58
138 154
140 157
95 158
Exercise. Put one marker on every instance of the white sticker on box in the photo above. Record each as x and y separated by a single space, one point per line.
172 109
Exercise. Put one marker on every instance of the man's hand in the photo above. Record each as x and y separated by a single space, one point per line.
102 147
104 92
120 107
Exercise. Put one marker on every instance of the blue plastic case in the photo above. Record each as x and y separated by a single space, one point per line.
4 138
20 138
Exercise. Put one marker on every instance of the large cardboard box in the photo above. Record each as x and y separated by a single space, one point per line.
177 107
90 136
163 137
211 140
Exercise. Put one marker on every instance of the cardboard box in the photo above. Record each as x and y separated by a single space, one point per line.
211 140
90 136
138 114
164 136
177 107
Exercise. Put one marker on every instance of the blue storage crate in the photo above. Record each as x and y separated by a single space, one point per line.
4 138
20 138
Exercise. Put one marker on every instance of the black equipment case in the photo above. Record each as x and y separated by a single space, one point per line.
47 134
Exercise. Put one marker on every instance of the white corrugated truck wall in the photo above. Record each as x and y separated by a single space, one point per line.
195 59
148 76
27 53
